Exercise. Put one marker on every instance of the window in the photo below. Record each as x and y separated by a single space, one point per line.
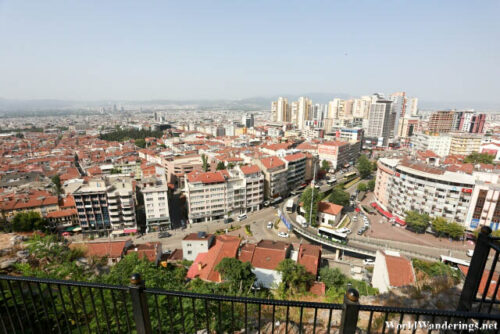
189 252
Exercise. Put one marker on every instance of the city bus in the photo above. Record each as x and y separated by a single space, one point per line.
332 235
350 175
454 262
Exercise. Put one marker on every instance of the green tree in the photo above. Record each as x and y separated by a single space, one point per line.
204 161
476 157
220 166
140 143
374 166
339 196
28 221
364 166
455 230
56 180
371 184
116 170
440 226
237 274
332 277
294 278
325 165
417 222
362 186
306 198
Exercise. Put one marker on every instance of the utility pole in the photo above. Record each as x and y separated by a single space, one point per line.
313 183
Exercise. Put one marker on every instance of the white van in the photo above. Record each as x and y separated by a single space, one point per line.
241 217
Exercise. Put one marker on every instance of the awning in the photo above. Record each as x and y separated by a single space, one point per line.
69 228
373 204
382 211
77 229
117 232
400 221
131 230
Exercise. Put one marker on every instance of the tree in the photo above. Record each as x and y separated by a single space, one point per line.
28 221
364 166
294 277
306 197
56 180
140 143
476 157
116 170
371 184
416 221
204 161
220 166
237 274
374 166
362 186
325 165
332 277
455 230
440 226
339 196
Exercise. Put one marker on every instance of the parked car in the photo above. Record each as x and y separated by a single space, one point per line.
164 235
270 225
243 216
470 252
283 235
368 262
267 203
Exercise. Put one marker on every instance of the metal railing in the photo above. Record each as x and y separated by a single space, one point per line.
37 305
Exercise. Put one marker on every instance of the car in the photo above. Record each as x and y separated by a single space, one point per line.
345 230
355 218
368 262
164 235
243 216
470 252
270 225
267 203
283 235
361 231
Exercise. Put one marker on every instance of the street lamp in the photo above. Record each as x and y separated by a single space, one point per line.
313 183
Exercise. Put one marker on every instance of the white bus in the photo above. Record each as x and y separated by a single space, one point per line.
454 262
332 235
289 205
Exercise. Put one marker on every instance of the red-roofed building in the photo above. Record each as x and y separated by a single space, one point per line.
150 251
62 219
310 257
338 153
254 186
329 213
265 257
113 250
392 271
205 263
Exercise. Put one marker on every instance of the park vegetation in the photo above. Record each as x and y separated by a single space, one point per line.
127 134
476 158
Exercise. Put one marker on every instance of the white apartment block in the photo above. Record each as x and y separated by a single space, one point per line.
156 207
212 195
439 144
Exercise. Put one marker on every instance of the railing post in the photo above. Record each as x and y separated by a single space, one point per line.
139 305
350 311
476 270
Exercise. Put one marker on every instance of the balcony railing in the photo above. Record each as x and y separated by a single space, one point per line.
36 305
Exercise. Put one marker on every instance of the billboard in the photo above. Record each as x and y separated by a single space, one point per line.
327 150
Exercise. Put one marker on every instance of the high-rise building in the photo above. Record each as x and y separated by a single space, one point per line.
280 110
477 123
441 121
248 120
380 122
304 112
156 206
399 102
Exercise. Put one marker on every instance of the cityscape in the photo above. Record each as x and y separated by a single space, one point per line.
358 212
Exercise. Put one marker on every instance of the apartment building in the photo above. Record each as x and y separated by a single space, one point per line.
156 207
417 186
275 176
106 205
339 153
177 167
439 144
465 143
381 119
296 166
254 186
441 121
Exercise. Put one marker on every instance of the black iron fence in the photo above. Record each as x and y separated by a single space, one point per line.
35 305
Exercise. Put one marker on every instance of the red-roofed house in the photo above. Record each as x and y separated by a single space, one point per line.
309 256
150 251
205 263
113 250
392 271
329 213
265 257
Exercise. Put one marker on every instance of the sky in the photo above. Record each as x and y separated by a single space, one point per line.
141 50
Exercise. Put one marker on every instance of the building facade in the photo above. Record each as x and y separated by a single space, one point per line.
156 207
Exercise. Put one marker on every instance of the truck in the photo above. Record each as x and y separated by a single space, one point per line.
289 205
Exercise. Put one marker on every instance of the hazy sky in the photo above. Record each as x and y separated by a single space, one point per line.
436 50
